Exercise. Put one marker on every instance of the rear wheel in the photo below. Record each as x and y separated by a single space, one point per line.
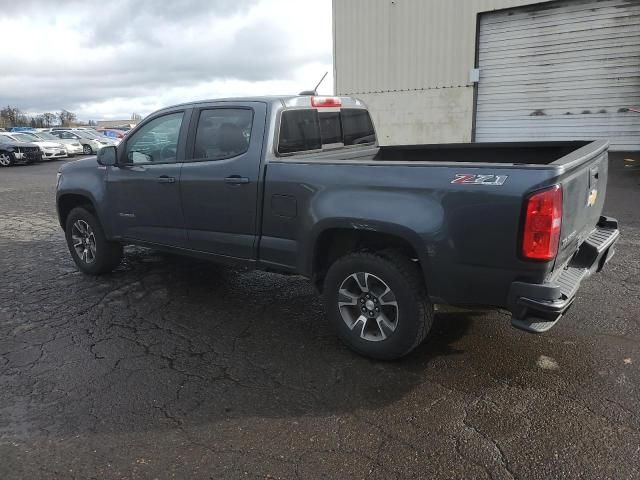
6 159
87 150
378 304
90 249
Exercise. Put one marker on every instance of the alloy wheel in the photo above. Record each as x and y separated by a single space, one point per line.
84 241
5 159
368 306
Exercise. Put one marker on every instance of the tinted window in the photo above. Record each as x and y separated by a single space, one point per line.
357 127
222 133
330 127
156 141
299 131
310 129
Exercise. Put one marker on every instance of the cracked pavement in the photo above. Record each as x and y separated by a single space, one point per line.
175 368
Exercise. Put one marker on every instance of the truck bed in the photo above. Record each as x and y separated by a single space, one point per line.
514 154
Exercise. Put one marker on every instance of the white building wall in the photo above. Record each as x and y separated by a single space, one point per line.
410 61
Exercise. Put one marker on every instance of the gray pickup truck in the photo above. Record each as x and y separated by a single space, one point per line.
299 185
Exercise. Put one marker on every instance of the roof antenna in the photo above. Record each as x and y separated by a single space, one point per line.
315 90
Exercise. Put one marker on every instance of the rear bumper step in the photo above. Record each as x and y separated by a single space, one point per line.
536 308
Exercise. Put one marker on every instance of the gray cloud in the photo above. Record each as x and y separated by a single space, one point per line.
133 48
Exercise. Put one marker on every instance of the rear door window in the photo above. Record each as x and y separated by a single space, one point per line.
223 133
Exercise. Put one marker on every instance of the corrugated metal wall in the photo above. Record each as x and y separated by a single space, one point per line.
410 60
395 45
566 71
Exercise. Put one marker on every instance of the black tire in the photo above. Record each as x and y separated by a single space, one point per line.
106 255
7 159
87 150
414 313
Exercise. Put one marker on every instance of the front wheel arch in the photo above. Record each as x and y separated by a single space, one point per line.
69 201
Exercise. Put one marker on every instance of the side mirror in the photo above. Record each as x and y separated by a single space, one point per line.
107 156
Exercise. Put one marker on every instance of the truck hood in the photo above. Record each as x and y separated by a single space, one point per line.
78 165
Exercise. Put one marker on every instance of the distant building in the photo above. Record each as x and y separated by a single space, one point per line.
115 123
444 71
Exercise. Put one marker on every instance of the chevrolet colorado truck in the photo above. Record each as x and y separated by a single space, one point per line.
299 185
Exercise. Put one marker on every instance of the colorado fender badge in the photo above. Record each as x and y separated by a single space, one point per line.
465 179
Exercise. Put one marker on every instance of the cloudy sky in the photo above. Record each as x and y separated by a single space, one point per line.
109 58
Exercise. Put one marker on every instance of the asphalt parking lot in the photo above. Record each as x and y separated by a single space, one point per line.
174 368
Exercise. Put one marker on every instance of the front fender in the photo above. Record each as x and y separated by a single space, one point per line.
84 179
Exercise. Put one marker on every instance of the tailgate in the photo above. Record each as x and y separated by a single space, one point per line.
584 183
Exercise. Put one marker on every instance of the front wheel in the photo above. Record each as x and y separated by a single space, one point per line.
87 150
90 249
6 159
377 303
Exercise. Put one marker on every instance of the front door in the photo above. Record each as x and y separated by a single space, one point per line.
219 181
143 189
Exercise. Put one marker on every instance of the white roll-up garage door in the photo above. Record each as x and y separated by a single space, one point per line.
565 70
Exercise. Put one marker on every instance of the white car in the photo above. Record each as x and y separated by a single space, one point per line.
73 147
50 150
90 144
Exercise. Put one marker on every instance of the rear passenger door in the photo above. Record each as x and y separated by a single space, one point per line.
220 178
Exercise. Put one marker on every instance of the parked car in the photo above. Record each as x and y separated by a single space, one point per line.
90 144
299 185
13 152
91 129
50 150
98 136
112 133
72 147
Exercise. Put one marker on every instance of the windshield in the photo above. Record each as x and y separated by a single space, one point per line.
24 137
8 137
88 134
46 136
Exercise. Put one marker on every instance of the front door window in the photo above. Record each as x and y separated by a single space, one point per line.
155 142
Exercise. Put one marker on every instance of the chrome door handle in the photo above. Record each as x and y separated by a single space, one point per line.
236 180
166 179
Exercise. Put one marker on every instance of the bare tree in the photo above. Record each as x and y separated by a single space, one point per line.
48 119
66 118
11 115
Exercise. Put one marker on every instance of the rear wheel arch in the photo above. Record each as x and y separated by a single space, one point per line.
333 243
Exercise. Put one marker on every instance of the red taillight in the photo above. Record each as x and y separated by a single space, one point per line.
326 102
542 224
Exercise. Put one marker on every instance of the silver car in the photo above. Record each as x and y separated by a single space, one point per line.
90 144
72 147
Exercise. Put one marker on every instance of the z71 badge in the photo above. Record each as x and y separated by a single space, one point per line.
464 179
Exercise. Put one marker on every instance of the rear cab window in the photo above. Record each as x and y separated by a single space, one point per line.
309 129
